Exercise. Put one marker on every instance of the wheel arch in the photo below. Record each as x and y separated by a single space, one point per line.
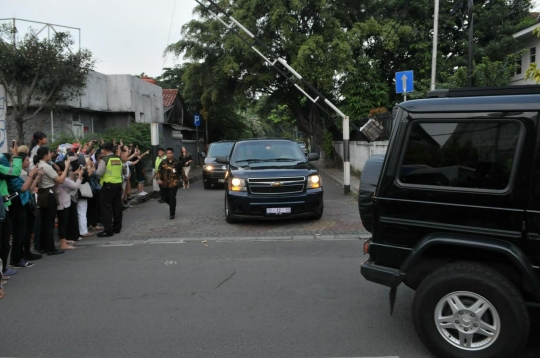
437 248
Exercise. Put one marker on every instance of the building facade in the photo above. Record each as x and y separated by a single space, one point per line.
106 101
530 43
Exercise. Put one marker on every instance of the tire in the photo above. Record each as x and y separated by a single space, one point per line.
228 216
319 213
207 185
502 307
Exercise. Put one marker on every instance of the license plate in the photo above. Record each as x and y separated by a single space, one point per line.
221 180
278 211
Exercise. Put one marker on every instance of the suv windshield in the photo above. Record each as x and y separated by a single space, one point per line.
266 151
220 149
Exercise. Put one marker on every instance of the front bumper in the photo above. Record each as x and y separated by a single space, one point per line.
382 275
213 177
245 205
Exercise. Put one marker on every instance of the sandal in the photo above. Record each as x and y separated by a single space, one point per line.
70 242
4 282
69 247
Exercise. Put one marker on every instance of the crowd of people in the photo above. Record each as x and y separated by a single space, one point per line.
81 189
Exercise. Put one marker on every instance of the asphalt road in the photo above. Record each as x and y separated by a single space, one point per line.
295 292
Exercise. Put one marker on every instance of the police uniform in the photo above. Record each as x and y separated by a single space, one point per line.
111 193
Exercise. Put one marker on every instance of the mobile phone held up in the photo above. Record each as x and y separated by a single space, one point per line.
13 143
10 197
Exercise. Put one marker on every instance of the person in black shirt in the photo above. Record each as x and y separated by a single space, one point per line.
169 177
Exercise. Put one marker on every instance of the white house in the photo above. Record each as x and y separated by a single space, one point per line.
530 43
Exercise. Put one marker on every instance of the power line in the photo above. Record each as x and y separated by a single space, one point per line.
169 37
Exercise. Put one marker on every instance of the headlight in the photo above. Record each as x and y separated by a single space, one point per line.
208 168
314 181
237 184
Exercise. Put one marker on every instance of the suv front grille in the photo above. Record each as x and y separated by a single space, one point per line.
217 174
276 185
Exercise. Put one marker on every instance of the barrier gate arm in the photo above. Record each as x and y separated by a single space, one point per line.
230 26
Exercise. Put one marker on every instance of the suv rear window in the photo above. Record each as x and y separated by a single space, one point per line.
220 149
471 154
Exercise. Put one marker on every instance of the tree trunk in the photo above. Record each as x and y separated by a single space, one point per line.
20 128
318 132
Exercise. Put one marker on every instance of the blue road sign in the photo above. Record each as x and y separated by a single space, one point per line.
404 82
197 120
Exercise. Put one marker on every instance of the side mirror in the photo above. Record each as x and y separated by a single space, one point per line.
222 160
313 156
203 154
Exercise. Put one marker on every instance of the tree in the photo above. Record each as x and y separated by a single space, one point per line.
39 74
349 50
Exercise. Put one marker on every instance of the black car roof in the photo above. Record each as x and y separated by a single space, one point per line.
521 103
260 139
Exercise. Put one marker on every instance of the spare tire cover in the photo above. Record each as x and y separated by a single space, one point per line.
368 186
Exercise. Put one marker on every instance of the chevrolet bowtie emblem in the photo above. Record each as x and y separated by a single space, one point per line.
276 183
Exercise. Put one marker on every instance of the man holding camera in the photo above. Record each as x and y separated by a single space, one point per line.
110 172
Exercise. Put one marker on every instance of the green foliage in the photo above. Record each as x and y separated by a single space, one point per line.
40 71
328 148
136 133
348 50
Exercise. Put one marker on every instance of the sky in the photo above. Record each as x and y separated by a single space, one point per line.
125 36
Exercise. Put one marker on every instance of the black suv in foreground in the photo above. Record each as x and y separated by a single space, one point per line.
454 209
213 172
271 178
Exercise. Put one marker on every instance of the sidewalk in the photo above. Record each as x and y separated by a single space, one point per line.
194 175
336 174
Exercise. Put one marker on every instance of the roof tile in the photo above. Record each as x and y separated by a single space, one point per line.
169 95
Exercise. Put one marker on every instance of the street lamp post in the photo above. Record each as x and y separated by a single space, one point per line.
470 52
435 38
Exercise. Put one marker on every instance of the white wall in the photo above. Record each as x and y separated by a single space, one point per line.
526 41
121 93
359 152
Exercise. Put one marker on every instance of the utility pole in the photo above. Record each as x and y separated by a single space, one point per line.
435 39
470 52
298 78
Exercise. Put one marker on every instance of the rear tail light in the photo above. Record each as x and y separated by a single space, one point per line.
366 246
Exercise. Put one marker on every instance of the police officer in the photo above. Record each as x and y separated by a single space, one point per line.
110 172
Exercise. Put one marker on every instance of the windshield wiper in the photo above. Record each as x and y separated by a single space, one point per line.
282 160
250 160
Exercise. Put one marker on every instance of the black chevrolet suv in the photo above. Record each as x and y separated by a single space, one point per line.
454 212
213 172
271 178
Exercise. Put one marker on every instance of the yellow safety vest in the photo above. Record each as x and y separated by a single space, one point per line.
113 170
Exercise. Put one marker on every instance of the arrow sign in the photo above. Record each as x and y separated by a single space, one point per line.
404 82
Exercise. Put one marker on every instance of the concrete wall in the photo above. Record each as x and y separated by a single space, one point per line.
120 93
360 152
131 94
167 141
